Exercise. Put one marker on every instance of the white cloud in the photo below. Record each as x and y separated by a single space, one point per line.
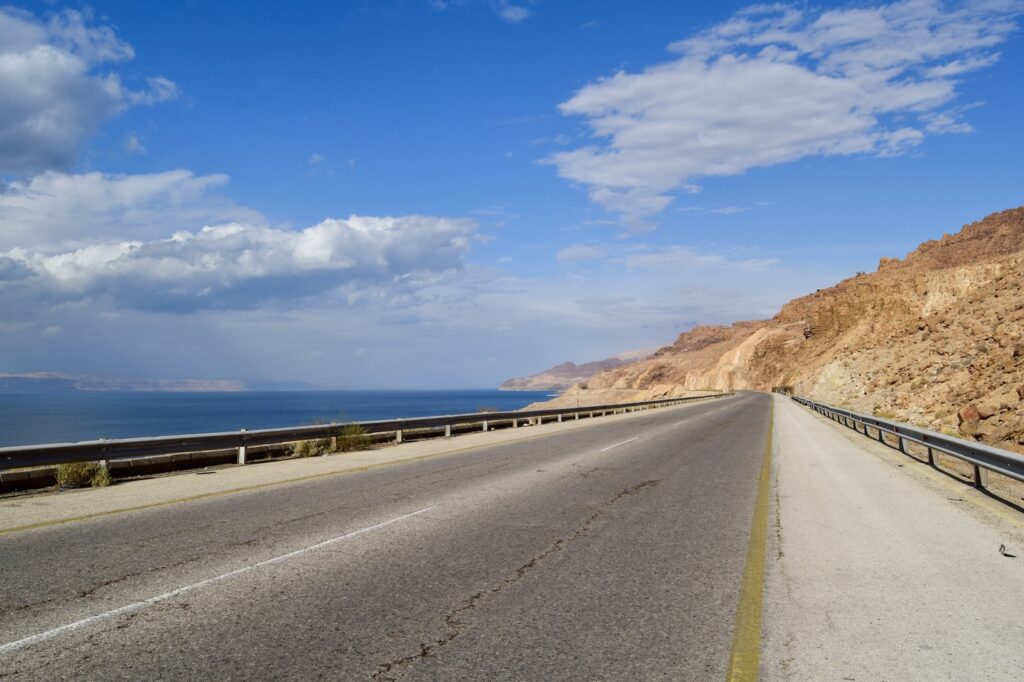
632 257
773 84
240 266
575 252
678 257
315 158
54 90
59 211
95 44
506 10
133 144
510 12
243 298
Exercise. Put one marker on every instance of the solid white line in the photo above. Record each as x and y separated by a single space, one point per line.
618 444
50 634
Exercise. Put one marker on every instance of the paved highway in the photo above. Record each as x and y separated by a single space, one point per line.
608 550
613 551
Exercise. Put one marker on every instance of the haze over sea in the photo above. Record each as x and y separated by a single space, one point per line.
30 418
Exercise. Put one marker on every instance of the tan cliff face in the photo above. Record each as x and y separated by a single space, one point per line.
935 339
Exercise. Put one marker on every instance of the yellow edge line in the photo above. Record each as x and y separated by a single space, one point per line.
744 659
260 486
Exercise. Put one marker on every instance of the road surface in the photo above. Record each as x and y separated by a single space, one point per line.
614 550
608 552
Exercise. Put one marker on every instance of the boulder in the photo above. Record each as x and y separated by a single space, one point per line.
992 432
987 408
969 427
969 414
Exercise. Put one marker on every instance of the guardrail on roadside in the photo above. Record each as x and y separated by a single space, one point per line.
130 448
984 458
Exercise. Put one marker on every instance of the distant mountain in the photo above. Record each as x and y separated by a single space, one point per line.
57 382
568 374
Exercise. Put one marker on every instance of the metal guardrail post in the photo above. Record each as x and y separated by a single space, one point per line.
398 436
241 449
485 425
447 430
980 477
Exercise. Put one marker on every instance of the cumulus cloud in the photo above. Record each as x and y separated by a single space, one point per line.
56 87
61 211
776 83
241 266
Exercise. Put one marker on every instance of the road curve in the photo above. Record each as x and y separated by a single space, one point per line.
614 551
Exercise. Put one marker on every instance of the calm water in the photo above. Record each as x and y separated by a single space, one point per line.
65 417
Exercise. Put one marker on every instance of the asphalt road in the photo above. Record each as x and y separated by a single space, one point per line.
605 553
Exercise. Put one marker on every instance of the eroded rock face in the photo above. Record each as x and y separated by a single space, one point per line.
921 339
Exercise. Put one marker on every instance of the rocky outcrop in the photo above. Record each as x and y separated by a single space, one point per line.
935 339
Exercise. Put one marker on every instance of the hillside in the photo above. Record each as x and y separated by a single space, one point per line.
935 339
561 377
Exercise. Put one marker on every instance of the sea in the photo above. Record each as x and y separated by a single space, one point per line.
65 417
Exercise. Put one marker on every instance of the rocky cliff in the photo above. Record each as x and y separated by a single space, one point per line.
935 339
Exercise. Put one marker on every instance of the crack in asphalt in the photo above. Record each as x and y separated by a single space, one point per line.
394 669
89 591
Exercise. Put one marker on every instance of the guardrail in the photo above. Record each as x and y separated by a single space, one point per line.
132 448
984 458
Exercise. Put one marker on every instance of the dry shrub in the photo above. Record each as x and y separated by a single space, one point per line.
352 438
311 448
82 474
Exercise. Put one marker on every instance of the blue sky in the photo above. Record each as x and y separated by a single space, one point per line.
449 193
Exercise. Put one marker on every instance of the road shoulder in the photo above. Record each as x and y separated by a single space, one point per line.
877 570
